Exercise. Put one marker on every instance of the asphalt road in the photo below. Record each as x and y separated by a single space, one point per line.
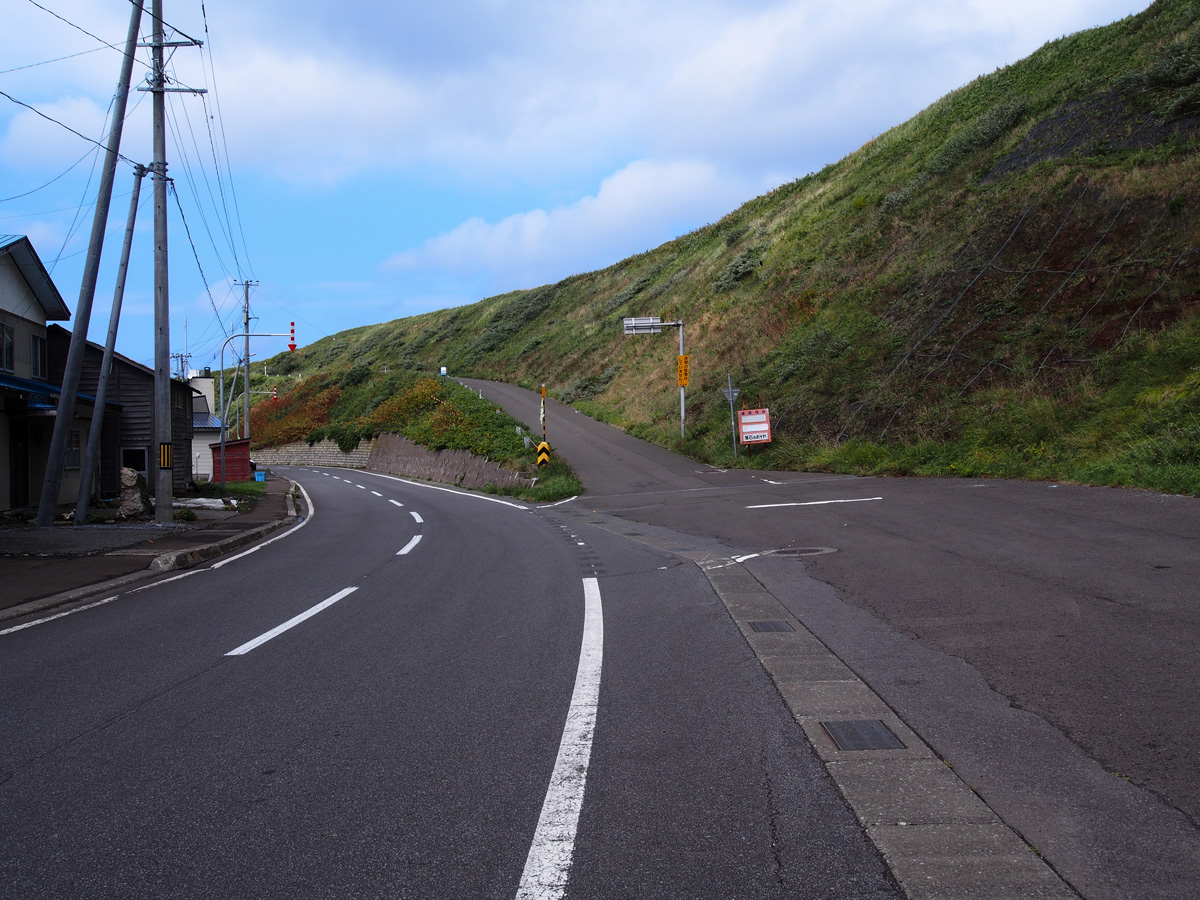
1041 637
373 706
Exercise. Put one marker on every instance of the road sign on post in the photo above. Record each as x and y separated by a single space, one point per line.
754 426
655 325
543 454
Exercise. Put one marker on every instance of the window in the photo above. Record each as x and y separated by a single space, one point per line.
72 458
135 458
6 348
38 366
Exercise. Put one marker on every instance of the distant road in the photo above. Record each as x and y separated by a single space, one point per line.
1042 637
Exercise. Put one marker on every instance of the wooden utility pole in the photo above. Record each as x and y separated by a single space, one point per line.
65 418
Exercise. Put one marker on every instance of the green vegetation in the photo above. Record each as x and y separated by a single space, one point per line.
1006 285
350 405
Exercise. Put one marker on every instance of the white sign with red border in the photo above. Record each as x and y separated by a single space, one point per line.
754 426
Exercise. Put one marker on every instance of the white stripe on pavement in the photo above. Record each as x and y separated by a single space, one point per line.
549 862
409 546
290 623
376 493
814 503
416 516
59 615
395 503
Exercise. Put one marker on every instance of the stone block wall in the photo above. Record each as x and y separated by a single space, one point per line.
391 454
322 453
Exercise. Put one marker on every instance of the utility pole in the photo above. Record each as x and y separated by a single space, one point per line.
87 289
92 456
164 480
246 361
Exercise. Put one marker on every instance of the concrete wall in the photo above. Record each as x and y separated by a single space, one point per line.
391 454
394 455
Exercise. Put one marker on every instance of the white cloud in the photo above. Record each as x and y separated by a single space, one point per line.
641 205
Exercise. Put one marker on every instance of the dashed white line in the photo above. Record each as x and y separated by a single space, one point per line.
409 546
291 623
416 516
361 487
376 493
395 503
548 864
814 503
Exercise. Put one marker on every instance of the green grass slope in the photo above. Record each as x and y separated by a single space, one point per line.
1005 285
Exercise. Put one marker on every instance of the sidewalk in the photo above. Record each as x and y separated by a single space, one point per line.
47 567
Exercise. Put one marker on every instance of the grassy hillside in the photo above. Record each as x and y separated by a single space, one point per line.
1007 285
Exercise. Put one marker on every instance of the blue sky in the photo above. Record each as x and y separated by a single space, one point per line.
377 160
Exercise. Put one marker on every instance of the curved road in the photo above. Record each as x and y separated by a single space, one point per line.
393 701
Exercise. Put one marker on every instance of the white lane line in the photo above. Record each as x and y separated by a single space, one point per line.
416 516
568 500
409 546
814 503
60 615
311 512
549 862
376 493
395 503
361 487
434 487
290 623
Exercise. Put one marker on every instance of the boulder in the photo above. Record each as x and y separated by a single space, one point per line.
135 496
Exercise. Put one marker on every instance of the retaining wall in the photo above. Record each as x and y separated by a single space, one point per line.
394 455
322 453
391 454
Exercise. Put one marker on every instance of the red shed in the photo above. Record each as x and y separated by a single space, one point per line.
237 459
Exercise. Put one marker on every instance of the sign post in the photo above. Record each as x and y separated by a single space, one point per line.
655 325
731 394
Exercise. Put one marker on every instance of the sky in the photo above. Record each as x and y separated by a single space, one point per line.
365 161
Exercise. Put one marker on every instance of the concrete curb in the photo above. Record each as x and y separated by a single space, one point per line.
167 562
938 838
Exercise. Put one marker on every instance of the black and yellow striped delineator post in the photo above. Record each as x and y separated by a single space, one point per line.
164 456
543 455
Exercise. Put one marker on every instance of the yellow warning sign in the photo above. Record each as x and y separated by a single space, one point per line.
683 371
543 455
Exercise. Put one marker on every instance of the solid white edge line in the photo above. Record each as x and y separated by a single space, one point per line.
568 500
311 512
291 623
60 615
416 516
409 546
434 487
814 503
548 864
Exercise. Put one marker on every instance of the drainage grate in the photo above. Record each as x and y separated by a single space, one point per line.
862 734
776 625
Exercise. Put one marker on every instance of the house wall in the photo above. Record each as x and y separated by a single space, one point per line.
19 308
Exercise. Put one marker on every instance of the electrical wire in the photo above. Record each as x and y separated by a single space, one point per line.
49 61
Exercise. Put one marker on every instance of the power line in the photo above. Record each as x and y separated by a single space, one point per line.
50 182
49 61
188 231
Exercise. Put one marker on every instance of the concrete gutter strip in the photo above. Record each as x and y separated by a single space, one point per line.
936 835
